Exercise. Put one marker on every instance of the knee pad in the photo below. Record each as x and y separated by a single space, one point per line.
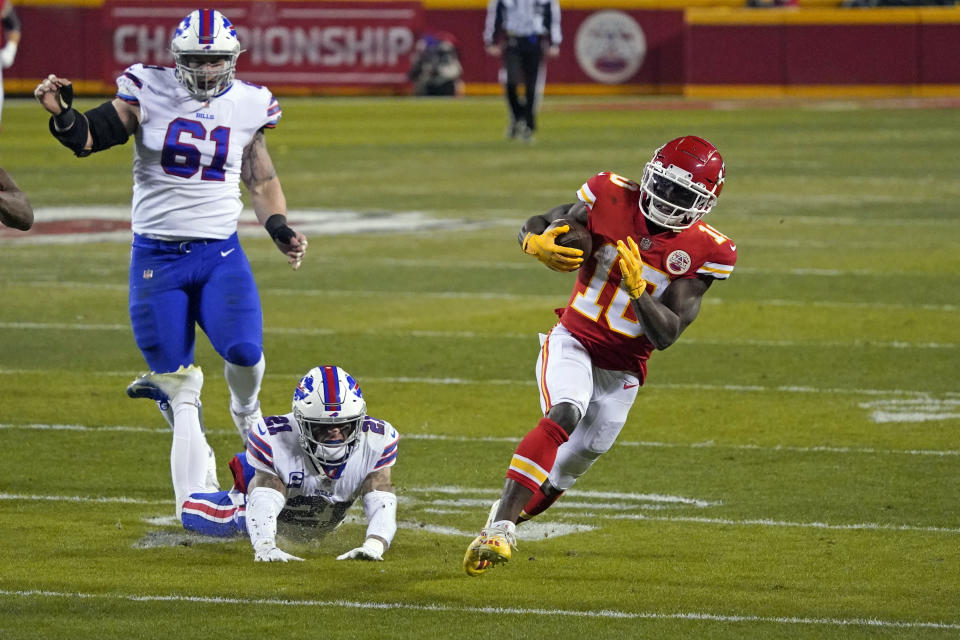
243 354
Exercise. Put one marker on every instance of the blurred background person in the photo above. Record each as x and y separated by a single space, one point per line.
435 69
521 31
11 40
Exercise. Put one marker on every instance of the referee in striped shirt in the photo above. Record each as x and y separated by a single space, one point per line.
521 31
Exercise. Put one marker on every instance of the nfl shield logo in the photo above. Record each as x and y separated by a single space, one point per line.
147 274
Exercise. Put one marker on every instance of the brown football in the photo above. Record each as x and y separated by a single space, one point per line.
578 237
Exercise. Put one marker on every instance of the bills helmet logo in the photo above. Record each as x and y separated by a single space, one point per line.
304 388
354 386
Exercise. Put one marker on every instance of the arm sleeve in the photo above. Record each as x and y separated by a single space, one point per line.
587 194
389 455
130 85
263 506
380 507
720 263
273 112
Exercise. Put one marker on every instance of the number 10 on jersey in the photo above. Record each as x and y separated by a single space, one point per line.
615 311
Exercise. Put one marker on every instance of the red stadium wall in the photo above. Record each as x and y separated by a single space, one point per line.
656 37
892 51
364 46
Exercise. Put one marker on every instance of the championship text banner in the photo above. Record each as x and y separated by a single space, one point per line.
301 44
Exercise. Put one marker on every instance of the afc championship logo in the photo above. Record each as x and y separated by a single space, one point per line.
678 262
610 46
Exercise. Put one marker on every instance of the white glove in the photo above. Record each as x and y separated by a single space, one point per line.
372 549
7 54
267 551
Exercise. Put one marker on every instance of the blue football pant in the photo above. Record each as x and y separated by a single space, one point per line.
221 513
177 286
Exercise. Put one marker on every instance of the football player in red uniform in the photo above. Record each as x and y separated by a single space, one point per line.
15 209
652 261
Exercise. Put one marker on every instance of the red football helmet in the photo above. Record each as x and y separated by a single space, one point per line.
681 182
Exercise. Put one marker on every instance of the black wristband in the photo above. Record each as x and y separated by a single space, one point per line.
65 119
276 226
74 137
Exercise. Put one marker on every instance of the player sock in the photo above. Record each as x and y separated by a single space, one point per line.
540 501
534 456
244 384
189 452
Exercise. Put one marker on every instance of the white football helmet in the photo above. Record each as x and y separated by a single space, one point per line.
329 408
205 49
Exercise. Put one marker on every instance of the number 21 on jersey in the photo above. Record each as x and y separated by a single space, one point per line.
615 311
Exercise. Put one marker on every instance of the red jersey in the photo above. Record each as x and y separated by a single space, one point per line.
599 312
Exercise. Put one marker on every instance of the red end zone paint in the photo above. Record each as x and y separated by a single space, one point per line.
67 227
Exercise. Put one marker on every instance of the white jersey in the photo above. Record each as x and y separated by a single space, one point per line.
319 497
186 166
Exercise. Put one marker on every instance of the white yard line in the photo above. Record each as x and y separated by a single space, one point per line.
466 505
913 393
439 607
529 297
505 335
776 448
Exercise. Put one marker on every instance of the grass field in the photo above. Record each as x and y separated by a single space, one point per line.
791 469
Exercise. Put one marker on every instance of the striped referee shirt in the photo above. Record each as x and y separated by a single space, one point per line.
521 18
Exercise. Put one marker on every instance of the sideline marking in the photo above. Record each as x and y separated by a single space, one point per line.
709 444
437 607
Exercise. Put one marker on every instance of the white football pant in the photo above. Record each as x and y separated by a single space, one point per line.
565 373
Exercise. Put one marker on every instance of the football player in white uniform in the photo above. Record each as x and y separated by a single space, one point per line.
198 132
302 470
10 28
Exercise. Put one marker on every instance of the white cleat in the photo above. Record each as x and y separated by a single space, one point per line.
246 421
162 387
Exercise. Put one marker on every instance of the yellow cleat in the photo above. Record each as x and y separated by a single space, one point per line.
493 546
496 545
472 563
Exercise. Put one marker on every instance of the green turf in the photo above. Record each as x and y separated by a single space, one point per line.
758 490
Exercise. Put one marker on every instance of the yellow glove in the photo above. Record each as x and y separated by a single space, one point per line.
550 253
631 266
